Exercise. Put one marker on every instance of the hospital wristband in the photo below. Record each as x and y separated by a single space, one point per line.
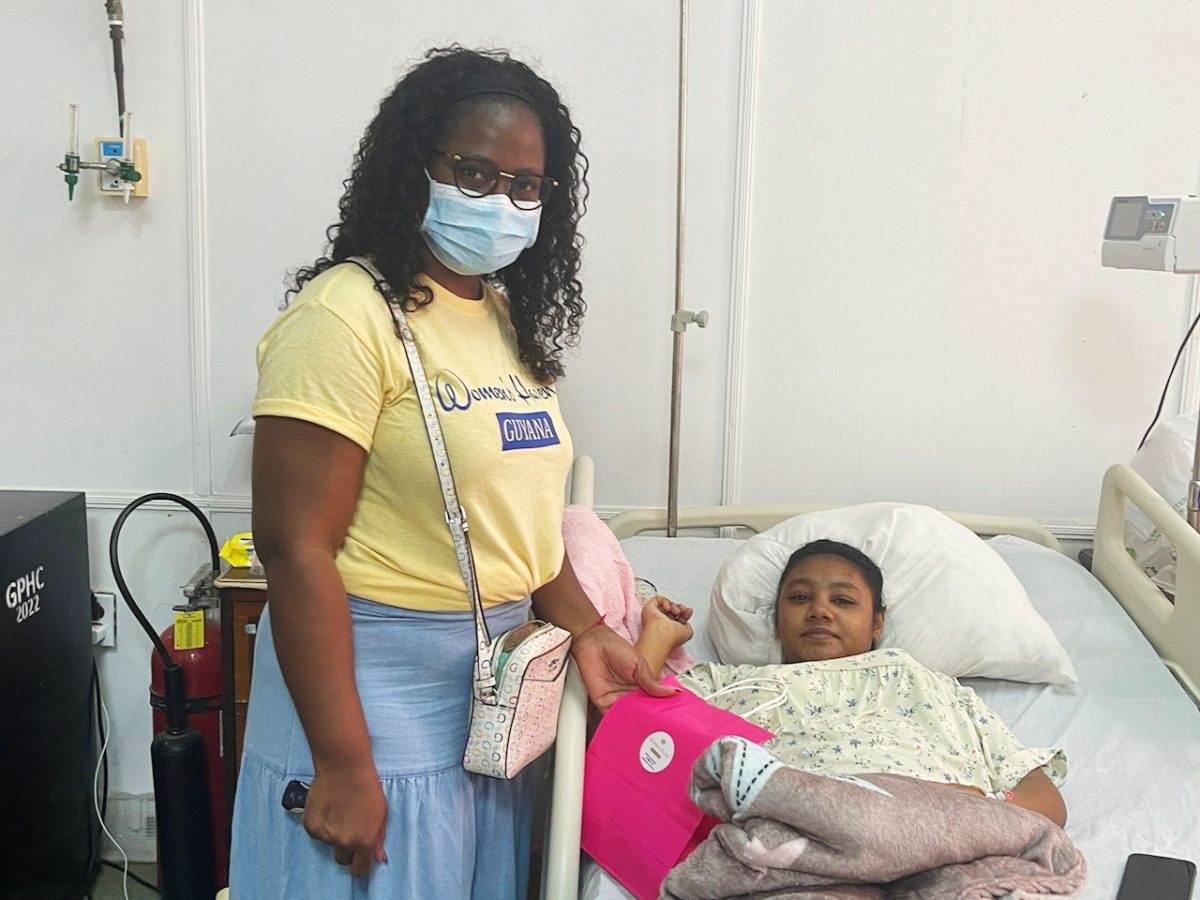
1001 795
599 621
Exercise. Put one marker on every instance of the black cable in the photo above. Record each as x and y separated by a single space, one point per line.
117 33
119 69
142 881
116 564
1163 398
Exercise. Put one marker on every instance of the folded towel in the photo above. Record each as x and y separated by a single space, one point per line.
796 834
607 579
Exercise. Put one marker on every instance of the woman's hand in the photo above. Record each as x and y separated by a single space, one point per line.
667 620
611 668
348 811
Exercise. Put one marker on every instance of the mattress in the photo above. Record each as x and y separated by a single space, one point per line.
1130 733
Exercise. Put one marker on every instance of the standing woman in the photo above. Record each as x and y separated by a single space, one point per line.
465 193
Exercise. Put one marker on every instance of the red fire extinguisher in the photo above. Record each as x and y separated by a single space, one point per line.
186 680
196 649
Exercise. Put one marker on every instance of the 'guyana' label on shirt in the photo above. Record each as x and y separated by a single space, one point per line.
522 431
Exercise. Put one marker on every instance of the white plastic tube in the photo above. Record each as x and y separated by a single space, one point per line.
127 147
73 130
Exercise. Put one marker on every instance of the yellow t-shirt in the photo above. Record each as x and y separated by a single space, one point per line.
333 358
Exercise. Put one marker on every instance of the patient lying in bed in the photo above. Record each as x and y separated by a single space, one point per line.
838 706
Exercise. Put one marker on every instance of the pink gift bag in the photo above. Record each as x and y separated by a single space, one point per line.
638 820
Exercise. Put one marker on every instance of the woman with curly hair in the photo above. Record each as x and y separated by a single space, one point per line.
465 194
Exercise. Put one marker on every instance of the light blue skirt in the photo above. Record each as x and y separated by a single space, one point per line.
450 833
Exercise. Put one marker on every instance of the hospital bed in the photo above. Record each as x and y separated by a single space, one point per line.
1130 730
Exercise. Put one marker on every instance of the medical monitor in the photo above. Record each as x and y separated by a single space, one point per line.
1156 233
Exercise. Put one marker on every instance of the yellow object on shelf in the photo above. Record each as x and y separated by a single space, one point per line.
238 550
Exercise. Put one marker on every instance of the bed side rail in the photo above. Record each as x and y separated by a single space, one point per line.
560 869
560 856
583 482
759 518
1173 629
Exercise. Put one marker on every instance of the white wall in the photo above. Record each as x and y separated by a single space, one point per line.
899 251
927 318
95 365
290 112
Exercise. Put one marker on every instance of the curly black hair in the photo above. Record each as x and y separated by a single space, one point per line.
387 193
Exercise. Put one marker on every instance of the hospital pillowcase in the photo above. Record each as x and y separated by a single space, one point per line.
952 602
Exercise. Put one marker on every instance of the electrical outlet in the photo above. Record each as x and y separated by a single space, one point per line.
132 821
104 629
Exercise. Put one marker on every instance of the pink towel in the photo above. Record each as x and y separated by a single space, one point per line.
607 579
790 833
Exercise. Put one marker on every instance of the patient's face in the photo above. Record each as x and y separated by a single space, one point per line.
826 611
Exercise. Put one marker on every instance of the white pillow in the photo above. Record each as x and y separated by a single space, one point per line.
952 602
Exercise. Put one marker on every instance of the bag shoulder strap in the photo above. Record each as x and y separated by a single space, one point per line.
456 515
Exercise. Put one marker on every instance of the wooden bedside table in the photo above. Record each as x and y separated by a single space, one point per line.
243 597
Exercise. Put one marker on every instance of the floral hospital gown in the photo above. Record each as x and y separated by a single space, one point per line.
880 711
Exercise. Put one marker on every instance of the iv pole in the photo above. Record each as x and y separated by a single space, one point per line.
681 317
1193 494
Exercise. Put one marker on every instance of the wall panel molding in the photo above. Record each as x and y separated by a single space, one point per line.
218 503
739 292
198 297
1068 531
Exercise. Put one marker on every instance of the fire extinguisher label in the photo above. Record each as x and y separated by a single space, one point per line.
189 630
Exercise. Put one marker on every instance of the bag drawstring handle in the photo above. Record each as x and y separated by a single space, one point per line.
456 515
748 684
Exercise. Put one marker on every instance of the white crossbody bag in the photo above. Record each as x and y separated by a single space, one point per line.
518 677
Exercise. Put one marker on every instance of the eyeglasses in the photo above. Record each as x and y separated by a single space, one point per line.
477 177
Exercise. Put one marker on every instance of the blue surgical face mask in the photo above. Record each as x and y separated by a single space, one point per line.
476 235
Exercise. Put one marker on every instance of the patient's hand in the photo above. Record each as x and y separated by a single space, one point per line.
965 788
667 622
664 627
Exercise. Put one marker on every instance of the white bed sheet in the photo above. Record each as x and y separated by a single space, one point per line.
1131 735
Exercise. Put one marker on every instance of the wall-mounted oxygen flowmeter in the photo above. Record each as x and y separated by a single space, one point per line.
121 161
112 149
1157 233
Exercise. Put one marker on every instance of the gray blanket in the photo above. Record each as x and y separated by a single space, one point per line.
787 833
